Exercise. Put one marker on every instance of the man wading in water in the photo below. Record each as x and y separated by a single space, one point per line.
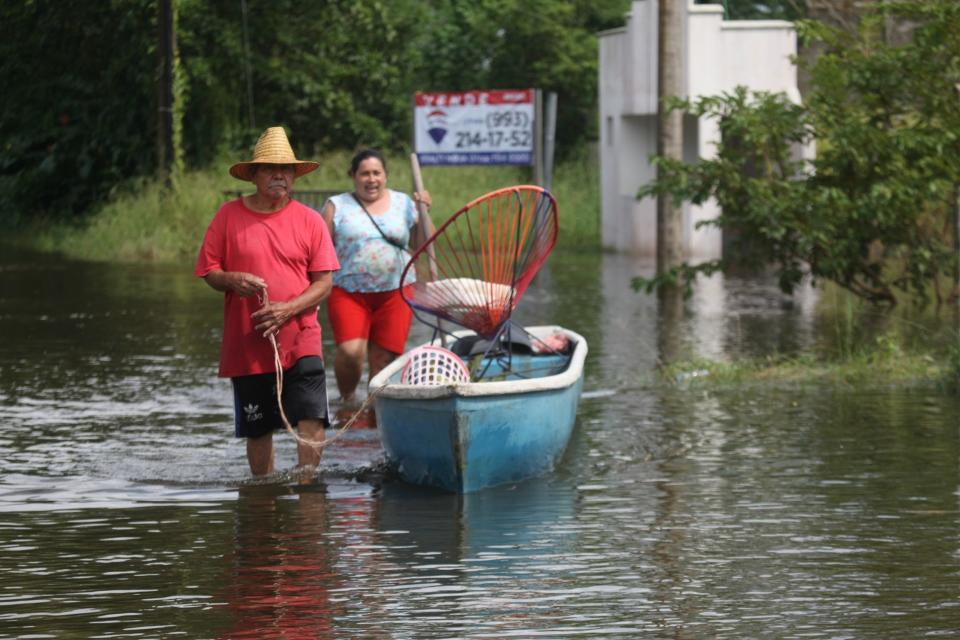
273 258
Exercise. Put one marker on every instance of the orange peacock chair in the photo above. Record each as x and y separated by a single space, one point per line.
474 269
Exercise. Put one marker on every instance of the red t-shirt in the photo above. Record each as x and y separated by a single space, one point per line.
282 248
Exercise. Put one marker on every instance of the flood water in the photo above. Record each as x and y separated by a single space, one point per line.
679 511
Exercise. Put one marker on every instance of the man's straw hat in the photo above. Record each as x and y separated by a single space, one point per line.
272 148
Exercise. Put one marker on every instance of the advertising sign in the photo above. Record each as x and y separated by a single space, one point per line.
474 127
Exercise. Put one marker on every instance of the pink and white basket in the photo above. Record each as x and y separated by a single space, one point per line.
430 365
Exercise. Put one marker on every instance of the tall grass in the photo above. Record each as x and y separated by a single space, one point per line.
882 365
856 343
953 362
144 222
148 222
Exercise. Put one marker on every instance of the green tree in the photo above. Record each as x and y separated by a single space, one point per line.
80 104
512 44
79 96
336 73
873 212
79 113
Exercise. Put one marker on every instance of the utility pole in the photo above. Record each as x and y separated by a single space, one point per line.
165 54
246 66
670 56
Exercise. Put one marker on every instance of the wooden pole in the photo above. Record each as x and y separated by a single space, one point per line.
956 231
426 224
246 66
425 231
955 285
165 52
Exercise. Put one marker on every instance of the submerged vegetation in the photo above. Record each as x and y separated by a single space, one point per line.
857 345
886 364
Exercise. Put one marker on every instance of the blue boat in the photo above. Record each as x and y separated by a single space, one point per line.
513 424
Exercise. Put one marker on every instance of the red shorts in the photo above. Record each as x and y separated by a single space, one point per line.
379 316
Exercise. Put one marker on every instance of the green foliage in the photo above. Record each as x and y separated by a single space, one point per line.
80 77
511 44
79 99
335 73
873 211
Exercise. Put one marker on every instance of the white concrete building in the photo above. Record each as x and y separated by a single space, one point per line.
719 55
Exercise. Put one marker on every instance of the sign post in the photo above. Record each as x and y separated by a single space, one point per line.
489 127
538 138
475 127
549 138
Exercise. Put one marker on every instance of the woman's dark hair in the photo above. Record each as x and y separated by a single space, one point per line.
366 154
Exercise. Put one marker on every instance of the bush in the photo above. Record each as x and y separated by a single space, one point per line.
873 212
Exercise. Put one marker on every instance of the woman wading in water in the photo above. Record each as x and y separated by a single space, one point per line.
372 229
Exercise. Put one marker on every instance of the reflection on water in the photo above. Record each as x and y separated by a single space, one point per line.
678 512
280 571
487 560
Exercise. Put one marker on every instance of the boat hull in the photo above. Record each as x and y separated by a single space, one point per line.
466 437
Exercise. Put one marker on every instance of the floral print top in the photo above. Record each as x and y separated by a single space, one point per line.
368 262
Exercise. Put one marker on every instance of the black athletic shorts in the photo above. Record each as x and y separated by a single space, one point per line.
304 397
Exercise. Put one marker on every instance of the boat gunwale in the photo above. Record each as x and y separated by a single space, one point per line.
562 380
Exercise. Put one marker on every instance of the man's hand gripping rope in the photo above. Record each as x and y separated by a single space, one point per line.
316 445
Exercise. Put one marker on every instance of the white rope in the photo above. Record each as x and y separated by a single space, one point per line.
316 445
